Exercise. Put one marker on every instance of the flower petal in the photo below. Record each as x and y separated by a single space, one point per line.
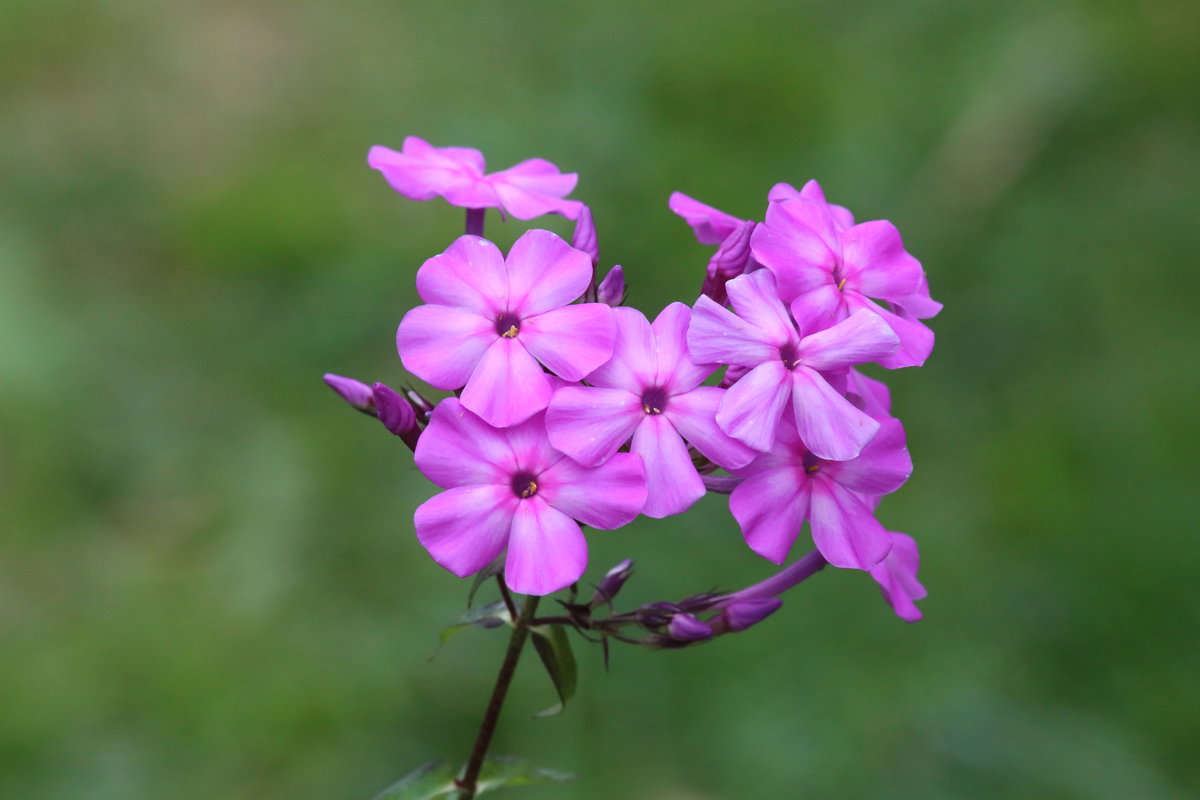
710 225
844 528
770 508
801 257
873 257
507 386
544 272
694 415
546 549
897 577
751 408
465 528
676 372
718 336
441 345
756 300
535 187
460 449
422 172
590 424
672 483
881 468
830 425
632 366
861 338
573 340
470 275
605 497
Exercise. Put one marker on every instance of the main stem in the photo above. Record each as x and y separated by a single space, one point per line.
466 784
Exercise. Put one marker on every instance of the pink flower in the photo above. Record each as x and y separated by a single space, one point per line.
897 577
783 488
508 488
490 324
827 268
421 171
786 366
650 390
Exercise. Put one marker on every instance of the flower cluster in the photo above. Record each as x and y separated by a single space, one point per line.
569 409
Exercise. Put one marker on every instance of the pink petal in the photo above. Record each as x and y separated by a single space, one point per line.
676 372
842 218
717 336
546 549
535 187
605 497
770 508
897 577
422 172
507 386
632 366
694 415
755 300
531 448
844 528
861 338
544 272
751 408
916 340
460 449
881 468
829 424
819 308
919 304
870 395
710 225
589 424
672 483
465 528
470 275
801 256
573 340
442 345
873 255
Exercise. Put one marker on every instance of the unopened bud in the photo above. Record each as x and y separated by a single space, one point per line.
611 290
686 628
354 392
396 414
732 258
584 237
656 615
743 613
612 582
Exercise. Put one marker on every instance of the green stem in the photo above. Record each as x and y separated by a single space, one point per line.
467 784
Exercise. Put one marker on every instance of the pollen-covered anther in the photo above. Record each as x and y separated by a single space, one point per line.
841 283
654 400
524 485
507 325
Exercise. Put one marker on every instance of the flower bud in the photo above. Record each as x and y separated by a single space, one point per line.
612 289
354 392
686 628
741 614
584 237
396 414
612 582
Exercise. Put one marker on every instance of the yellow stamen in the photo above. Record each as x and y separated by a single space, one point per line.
841 284
646 407
812 469
511 333
530 490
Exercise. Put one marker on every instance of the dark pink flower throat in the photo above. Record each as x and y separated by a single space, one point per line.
507 324
654 400
524 485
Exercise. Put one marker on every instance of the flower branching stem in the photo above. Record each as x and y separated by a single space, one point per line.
520 634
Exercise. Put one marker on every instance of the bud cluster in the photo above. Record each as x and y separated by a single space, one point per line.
570 409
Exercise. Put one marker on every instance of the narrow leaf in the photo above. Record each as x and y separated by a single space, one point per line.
554 648
493 615
430 781
501 771
490 571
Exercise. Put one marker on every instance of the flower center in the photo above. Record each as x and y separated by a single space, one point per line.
523 484
507 325
789 356
654 400
812 464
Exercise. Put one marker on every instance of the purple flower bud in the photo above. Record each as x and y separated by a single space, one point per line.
656 615
612 582
353 392
731 259
743 613
612 289
686 628
396 414
584 237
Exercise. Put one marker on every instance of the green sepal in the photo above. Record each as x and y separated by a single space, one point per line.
493 615
554 648
484 575
427 782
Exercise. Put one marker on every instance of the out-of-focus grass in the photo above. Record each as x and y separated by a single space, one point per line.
209 585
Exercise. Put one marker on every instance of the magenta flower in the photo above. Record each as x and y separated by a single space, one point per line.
827 268
421 172
783 488
897 577
649 390
710 225
490 324
508 488
784 365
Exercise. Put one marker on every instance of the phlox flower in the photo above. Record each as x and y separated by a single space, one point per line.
897 577
786 365
508 488
783 488
421 171
491 323
827 268
650 390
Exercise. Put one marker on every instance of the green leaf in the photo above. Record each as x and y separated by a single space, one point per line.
490 571
554 648
493 615
427 782
502 771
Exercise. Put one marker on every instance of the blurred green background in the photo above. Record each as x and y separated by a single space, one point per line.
209 585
